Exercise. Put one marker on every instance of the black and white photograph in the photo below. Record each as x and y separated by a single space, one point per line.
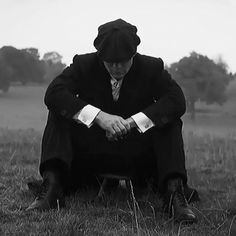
118 117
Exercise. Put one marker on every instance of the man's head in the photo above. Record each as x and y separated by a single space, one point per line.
118 69
116 44
116 41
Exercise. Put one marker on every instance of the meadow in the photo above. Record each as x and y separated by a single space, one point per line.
210 146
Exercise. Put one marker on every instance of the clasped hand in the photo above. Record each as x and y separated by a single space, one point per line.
115 126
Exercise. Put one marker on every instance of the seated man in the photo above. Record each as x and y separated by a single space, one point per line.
114 111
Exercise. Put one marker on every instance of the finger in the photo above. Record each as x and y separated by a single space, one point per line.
111 130
109 136
122 129
126 125
121 124
111 139
118 130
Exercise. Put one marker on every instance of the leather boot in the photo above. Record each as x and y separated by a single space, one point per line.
51 196
178 207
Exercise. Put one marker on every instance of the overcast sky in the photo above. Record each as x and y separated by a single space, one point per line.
169 29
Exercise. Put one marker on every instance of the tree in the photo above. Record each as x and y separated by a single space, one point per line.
35 67
53 65
52 57
22 65
202 79
5 74
25 65
231 88
34 52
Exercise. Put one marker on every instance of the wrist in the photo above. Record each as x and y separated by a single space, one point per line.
131 122
98 117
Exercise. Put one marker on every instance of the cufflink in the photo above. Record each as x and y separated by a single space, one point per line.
84 119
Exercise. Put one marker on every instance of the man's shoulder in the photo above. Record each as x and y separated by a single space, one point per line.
85 62
84 58
150 61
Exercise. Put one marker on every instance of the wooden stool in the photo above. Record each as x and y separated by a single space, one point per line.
127 179
129 186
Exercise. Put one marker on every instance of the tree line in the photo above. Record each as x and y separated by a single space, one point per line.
201 78
25 65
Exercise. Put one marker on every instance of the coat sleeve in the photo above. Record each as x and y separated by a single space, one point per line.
61 94
169 101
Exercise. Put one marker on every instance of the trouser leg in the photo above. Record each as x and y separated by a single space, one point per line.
59 145
58 152
64 150
56 148
168 149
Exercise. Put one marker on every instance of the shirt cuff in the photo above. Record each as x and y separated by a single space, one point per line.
87 115
143 122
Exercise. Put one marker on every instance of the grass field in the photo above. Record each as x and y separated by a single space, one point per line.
23 108
210 145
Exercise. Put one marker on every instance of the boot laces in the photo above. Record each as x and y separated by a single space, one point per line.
43 192
180 199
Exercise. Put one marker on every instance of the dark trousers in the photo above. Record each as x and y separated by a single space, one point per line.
81 153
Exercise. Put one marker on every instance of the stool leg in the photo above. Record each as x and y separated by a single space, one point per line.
101 192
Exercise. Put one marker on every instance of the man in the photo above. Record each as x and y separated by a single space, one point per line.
114 111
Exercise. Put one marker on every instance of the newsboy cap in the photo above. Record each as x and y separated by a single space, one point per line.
116 41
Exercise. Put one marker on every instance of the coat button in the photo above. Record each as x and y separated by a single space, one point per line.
63 112
164 120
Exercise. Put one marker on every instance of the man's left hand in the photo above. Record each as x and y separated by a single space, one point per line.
111 137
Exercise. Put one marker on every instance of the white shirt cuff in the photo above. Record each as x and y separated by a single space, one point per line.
143 122
87 115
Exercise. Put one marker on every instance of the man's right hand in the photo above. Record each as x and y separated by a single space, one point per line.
112 124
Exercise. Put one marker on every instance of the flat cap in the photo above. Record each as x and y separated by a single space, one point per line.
116 41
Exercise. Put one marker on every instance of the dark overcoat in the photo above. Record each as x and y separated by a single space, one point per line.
147 88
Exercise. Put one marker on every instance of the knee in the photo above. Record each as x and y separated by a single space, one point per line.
171 128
